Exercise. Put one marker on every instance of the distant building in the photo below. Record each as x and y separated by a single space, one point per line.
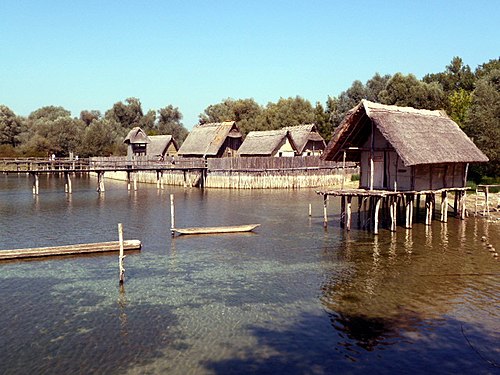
402 148
307 140
136 141
213 140
277 143
162 146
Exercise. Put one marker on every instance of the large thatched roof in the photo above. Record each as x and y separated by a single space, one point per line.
207 139
160 143
136 135
302 134
418 136
264 143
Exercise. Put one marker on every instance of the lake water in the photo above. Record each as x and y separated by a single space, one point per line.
290 298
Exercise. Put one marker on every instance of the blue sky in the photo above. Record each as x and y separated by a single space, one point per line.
91 54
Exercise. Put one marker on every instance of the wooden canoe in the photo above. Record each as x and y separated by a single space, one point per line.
216 230
89 248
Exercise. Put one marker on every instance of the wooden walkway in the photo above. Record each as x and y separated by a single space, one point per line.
372 202
99 166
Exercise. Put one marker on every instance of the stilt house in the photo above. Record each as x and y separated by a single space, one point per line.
162 146
215 140
136 141
403 149
307 140
277 143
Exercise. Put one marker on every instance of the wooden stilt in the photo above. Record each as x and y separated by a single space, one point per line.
429 208
463 210
310 210
444 206
360 202
36 184
409 210
486 208
375 219
135 181
394 210
342 211
417 207
128 180
348 215
100 182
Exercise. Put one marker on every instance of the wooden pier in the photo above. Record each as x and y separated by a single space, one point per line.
80 249
374 205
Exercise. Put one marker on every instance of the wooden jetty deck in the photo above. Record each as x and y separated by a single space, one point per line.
372 202
79 249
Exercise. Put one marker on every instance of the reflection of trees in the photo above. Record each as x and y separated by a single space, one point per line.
396 281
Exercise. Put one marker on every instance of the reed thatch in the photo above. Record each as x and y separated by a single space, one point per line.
160 144
136 135
208 139
303 135
265 143
418 136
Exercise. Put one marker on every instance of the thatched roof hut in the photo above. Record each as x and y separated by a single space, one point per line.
162 146
307 139
212 140
413 149
268 143
137 141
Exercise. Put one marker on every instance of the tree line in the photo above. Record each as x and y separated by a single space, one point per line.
470 97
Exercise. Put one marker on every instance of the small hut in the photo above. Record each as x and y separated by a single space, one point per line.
402 148
136 141
216 140
268 143
307 139
162 146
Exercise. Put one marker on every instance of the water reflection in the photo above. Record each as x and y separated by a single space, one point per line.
402 286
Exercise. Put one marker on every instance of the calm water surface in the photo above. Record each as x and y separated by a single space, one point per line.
291 298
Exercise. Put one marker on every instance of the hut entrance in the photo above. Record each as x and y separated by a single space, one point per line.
379 180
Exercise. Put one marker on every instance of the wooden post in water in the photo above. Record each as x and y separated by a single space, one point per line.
325 205
36 184
444 206
121 256
342 211
310 210
463 210
375 219
128 180
394 210
100 182
172 215
135 181
348 213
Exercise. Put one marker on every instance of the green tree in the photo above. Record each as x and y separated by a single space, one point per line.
286 112
459 104
243 111
408 91
483 122
128 114
170 122
88 116
10 127
101 138
455 77
52 130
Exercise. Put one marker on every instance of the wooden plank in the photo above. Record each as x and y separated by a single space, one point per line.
78 249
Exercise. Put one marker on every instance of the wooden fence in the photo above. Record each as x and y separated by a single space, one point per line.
243 164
